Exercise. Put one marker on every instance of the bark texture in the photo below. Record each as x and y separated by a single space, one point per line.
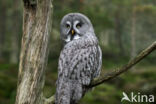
34 51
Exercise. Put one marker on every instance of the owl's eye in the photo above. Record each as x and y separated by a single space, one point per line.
67 25
78 25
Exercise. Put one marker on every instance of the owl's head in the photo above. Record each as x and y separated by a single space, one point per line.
74 26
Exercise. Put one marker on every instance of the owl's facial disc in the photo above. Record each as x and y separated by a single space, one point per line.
73 32
75 26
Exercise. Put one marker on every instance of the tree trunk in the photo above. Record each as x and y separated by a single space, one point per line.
118 32
14 48
2 28
81 5
133 31
34 51
15 34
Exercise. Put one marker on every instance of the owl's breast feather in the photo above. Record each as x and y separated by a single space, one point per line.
83 42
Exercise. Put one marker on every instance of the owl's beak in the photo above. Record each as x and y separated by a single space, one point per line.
73 32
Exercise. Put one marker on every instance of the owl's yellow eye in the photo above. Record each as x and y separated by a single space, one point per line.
78 25
67 25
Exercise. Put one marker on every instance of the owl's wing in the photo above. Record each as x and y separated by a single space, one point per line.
80 64
99 64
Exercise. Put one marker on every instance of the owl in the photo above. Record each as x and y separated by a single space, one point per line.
80 59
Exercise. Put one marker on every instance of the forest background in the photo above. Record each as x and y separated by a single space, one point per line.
123 27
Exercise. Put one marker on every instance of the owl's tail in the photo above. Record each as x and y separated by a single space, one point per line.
68 92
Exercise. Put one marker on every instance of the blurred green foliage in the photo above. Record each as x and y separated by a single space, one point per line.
112 20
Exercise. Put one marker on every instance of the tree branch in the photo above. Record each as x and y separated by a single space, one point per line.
118 71
115 73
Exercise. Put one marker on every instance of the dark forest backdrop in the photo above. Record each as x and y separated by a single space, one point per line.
123 27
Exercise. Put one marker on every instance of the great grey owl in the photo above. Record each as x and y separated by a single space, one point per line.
80 59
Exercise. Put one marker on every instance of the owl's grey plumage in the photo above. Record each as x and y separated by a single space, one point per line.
80 59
